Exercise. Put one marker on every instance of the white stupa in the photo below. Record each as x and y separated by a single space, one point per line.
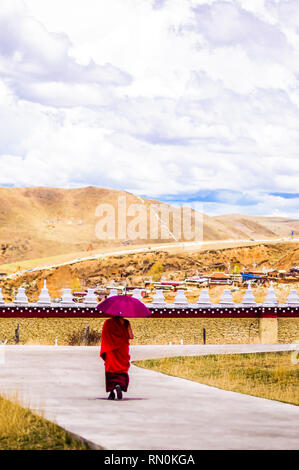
44 298
248 298
180 299
293 298
137 294
67 297
204 299
21 297
271 297
227 299
91 298
158 299
1 297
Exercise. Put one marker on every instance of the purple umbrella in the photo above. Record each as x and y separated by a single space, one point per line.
125 306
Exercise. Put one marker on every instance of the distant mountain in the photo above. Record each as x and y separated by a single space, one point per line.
41 221
257 227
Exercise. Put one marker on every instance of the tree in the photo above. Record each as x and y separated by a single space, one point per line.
76 286
156 271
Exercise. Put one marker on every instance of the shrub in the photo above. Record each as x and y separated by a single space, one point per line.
92 338
156 271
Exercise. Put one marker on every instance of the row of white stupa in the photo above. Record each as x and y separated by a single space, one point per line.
204 301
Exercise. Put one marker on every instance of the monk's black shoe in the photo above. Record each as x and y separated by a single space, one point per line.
119 392
111 395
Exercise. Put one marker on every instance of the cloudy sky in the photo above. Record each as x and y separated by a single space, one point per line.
181 100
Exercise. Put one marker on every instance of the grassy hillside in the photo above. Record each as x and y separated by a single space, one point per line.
138 267
259 227
44 222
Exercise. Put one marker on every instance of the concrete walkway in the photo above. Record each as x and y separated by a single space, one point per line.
158 412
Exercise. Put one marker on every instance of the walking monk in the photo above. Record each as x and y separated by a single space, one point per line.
116 335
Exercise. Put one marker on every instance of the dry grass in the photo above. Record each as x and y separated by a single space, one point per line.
70 331
267 375
20 429
22 264
64 258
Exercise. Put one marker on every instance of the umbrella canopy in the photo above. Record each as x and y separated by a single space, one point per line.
125 306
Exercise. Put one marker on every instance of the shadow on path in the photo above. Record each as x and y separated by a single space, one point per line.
123 399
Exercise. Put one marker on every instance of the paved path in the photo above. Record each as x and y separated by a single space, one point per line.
158 412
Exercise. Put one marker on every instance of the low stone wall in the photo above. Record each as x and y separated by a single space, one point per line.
288 330
190 330
157 330
46 330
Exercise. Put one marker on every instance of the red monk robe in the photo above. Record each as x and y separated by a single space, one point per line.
116 334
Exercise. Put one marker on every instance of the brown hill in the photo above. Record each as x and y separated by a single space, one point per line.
135 269
41 222
257 227
38 222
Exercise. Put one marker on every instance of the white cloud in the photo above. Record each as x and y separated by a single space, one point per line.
267 205
154 97
33 60
225 24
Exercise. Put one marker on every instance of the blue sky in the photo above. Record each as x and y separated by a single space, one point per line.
178 100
